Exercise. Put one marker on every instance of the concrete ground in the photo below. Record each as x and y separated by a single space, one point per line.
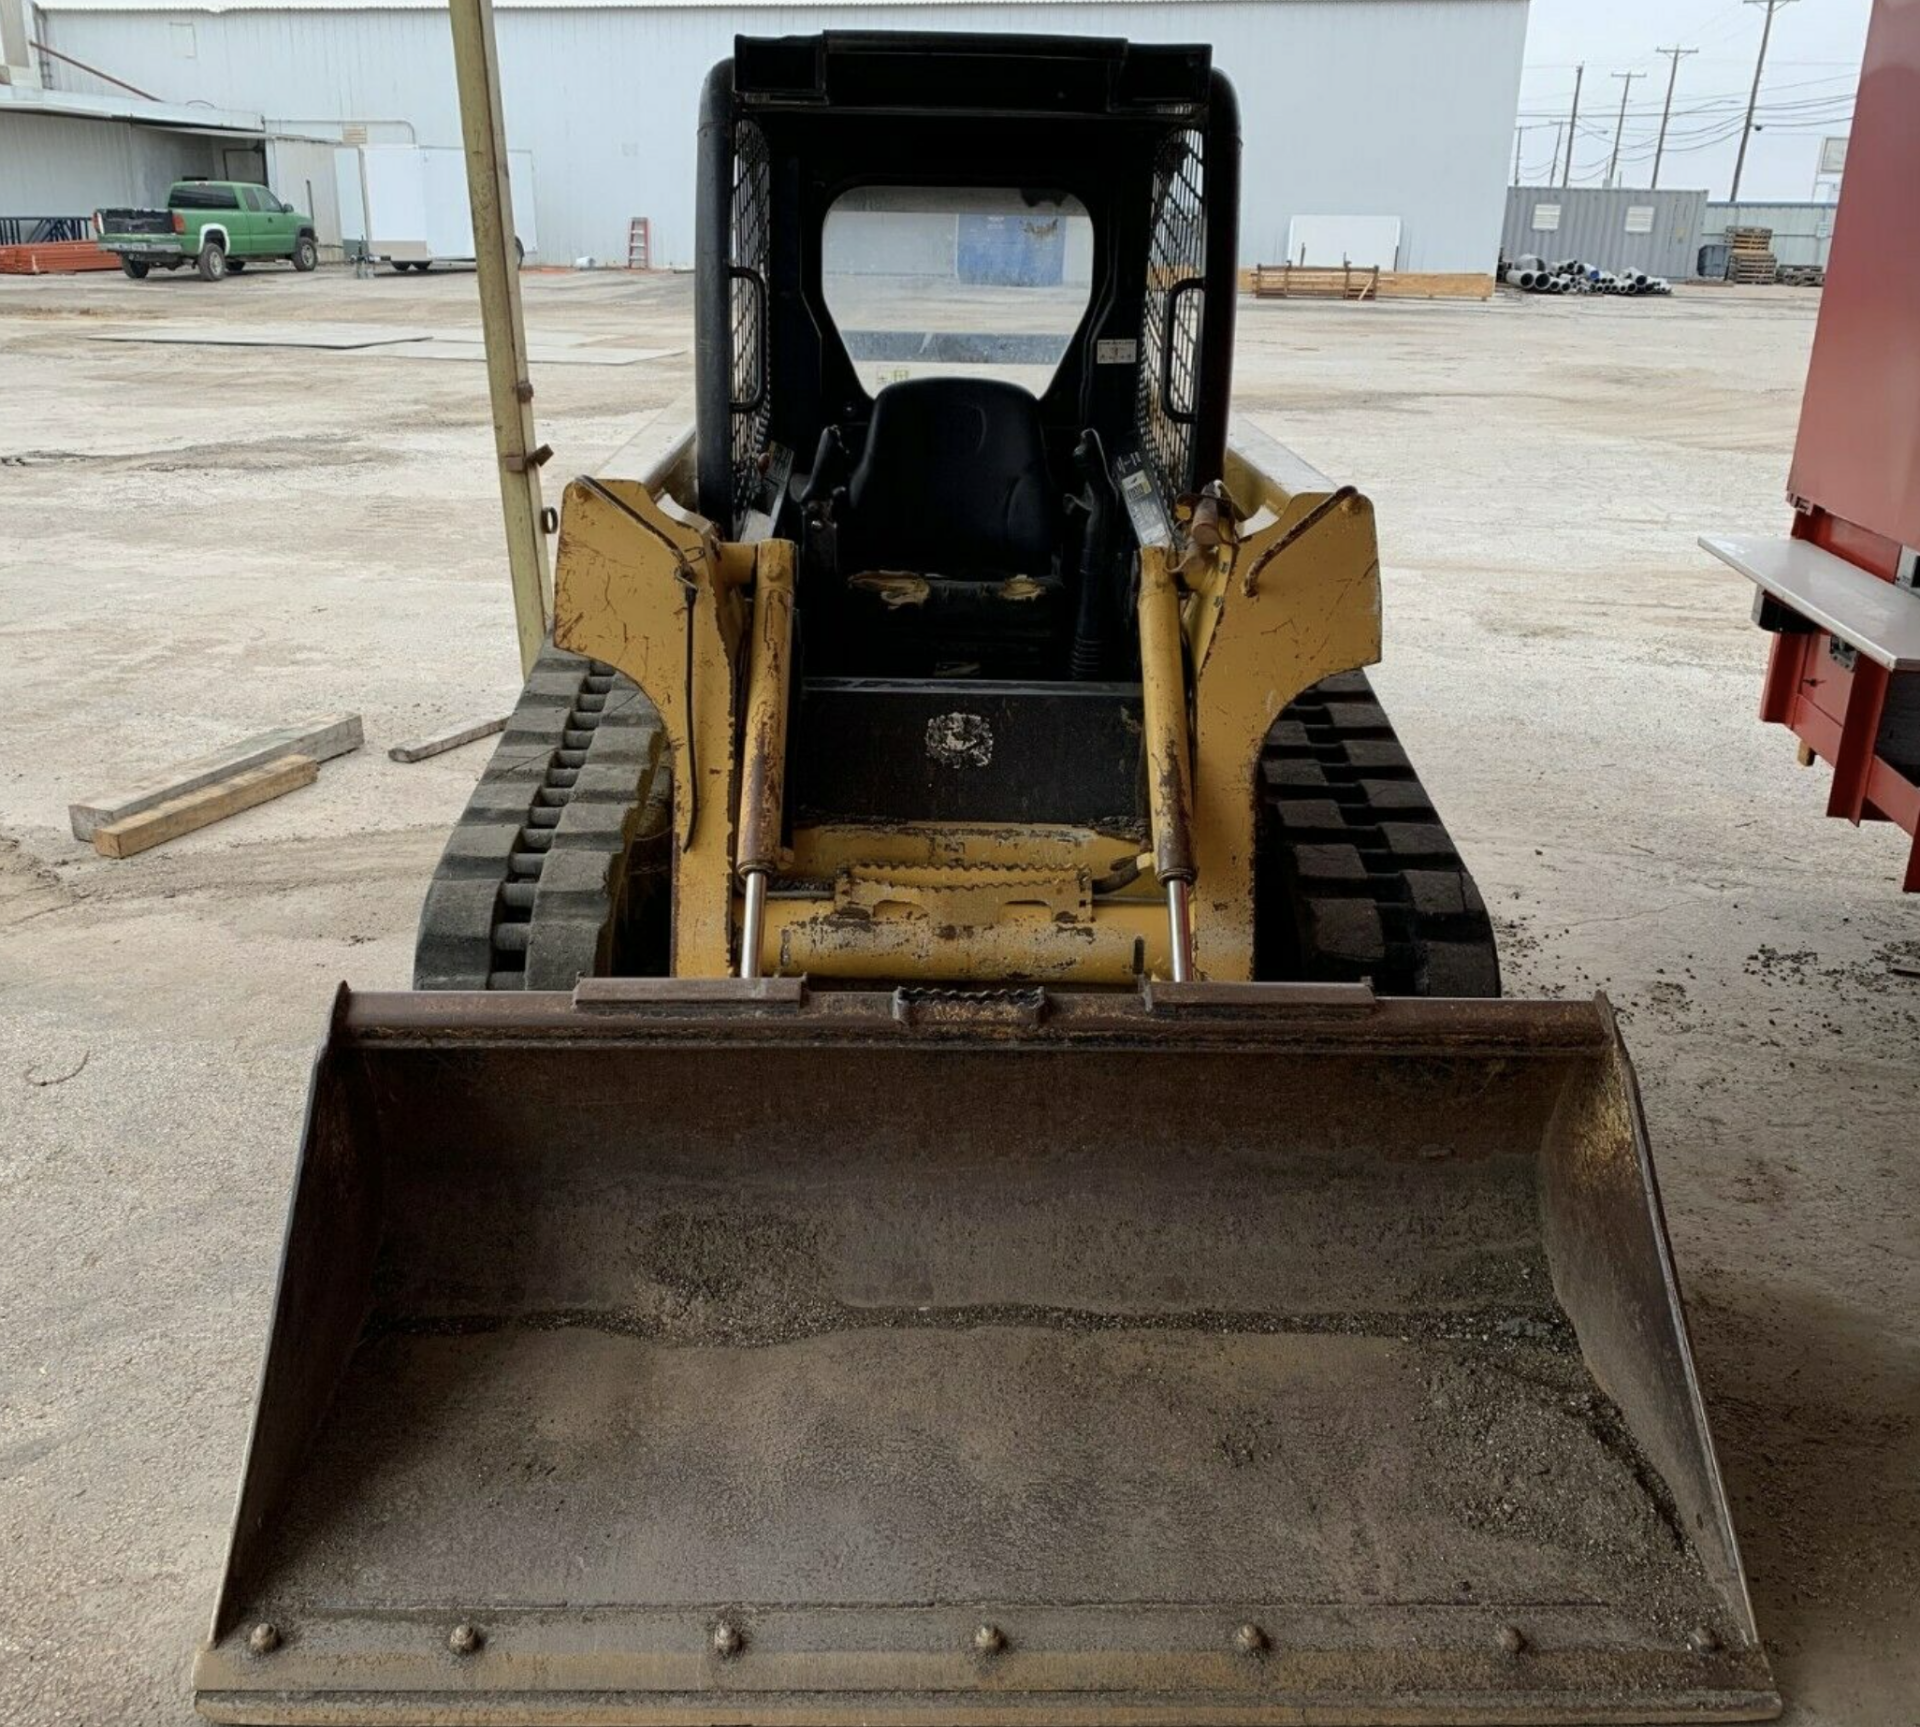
200 542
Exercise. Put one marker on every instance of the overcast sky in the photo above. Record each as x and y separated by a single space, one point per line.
1813 65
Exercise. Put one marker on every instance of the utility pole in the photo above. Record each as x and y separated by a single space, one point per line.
1519 150
1676 55
1620 131
1753 101
1573 123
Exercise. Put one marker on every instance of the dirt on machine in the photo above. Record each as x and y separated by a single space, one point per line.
956 1154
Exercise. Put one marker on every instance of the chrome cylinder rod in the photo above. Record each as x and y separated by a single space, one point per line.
753 921
1180 930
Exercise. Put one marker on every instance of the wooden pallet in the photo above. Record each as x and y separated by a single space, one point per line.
1315 282
1750 257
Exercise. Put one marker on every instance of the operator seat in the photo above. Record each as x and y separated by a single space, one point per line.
953 482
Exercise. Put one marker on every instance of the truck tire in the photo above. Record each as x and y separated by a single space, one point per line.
213 261
305 254
137 268
1358 879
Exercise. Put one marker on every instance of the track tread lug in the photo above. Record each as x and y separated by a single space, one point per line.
1358 877
532 886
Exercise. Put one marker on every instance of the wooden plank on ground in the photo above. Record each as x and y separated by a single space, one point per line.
202 808
449 740
1395 284
321 740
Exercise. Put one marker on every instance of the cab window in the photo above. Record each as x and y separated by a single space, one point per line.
956 281
190 195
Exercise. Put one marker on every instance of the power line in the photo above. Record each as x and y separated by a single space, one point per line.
1674 57
1753 100
1620 131
1712 138
1737 98
1724 104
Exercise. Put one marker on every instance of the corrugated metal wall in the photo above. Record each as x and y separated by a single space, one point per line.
1622 229
1353 107
1802 233
54 165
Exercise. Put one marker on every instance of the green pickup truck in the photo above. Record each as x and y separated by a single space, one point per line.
214 225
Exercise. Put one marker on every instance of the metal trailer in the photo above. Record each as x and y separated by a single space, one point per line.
406 204
1840 593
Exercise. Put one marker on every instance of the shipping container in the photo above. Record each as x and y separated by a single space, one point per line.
1614 228
1802 233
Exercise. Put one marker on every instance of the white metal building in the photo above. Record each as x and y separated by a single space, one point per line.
67 157
1395 109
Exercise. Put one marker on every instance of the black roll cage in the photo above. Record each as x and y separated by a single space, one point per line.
1145 137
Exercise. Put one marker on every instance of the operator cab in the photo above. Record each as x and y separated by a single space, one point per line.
938 354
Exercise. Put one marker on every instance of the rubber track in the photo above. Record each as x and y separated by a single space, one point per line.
1369 882
531 889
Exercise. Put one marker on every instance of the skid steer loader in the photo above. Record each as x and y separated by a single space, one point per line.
919 1183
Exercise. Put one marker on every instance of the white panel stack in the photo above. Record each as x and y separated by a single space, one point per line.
1365 242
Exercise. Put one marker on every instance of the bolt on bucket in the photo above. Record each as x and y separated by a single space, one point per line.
680 1354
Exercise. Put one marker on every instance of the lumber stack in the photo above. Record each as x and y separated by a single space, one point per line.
1750 258
1315 282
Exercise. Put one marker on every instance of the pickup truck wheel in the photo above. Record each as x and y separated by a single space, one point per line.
213 261
305 254
136 268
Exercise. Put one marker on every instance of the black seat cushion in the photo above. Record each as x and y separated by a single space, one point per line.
953 482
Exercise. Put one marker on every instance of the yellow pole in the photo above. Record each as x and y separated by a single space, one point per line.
477 71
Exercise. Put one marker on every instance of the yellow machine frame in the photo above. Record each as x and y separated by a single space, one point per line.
1272 587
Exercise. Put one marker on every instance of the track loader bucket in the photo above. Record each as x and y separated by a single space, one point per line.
685 1353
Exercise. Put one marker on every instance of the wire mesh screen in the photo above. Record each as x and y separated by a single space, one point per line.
752 398
1170 339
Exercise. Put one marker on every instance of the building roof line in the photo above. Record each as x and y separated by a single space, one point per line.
174 116
56 7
